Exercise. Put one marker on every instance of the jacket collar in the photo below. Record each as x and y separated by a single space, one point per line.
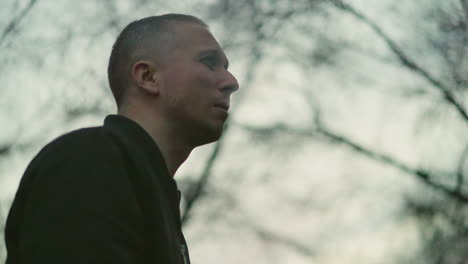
135 136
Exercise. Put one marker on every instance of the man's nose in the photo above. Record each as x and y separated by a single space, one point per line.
230 83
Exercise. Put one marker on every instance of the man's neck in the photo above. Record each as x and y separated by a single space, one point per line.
172 148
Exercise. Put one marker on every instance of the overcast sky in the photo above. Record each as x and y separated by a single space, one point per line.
342 207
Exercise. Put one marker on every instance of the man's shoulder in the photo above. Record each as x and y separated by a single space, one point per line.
77 136
85 142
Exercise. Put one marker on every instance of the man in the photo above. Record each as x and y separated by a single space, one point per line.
106 194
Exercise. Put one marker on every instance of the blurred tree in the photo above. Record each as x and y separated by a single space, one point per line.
430 45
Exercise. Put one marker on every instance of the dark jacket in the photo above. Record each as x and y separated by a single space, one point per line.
97 195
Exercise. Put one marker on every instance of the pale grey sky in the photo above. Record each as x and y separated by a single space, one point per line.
322 196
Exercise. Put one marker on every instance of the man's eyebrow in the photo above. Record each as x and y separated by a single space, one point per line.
217 54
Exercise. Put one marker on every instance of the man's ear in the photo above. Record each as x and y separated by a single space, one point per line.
146 76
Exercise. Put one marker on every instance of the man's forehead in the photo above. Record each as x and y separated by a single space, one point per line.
198 37
192 33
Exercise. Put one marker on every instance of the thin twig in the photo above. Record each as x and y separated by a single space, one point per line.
460 171
422 175
198 189
464 4
271 236
404 59
16 20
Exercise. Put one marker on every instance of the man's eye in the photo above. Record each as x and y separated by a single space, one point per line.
209 62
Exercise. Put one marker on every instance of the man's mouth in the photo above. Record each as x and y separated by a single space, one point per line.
223 106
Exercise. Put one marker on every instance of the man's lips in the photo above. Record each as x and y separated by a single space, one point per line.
222 105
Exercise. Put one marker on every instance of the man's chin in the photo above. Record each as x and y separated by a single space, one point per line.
211 137
208 135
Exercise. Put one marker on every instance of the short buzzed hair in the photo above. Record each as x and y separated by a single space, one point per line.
133 39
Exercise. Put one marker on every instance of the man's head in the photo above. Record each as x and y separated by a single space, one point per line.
150 37
173 63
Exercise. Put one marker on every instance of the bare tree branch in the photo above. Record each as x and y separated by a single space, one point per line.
461 167
16 20
270 236
196 191
424 176
400 54
5 149
464 4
